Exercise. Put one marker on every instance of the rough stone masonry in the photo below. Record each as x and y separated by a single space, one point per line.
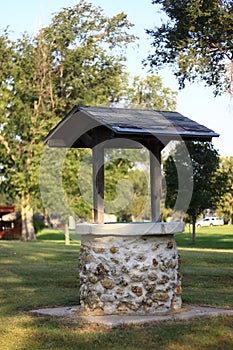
125 274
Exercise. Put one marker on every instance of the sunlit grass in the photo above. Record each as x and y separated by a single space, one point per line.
45 274
216 237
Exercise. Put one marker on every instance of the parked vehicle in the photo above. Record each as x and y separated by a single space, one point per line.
210 221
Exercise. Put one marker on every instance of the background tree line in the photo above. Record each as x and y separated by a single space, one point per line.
212 182
80 59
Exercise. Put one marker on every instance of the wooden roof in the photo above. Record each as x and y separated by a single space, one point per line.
88 126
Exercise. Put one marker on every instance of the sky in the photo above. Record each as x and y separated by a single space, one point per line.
195 101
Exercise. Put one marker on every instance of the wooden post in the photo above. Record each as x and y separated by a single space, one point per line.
155 183
98 183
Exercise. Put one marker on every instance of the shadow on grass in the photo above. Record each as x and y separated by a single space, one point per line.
56 334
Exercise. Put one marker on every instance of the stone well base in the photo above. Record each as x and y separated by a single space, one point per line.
129 274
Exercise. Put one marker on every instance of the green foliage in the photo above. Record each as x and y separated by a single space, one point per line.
196 40
77 182
81 37
126 183
38 223
115 170
78 58
207 185
149 93
225 205
139 207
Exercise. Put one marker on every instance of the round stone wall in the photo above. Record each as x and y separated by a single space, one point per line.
128 275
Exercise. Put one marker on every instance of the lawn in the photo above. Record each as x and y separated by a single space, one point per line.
45 273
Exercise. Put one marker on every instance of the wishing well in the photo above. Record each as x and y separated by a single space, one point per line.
127 268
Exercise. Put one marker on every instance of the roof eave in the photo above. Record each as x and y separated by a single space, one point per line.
166 133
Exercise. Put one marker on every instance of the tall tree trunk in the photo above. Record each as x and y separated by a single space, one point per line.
194 231
28 231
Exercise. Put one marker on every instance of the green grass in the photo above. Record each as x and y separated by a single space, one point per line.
216 237
57 236
45 274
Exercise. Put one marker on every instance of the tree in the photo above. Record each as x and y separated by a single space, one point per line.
206 183
125 178
87 55
76 59
225 205
197 41
24 121
139 206
150 93
77 182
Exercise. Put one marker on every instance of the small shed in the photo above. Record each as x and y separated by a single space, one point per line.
127 267
10 227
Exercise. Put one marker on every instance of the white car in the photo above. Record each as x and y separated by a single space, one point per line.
210 221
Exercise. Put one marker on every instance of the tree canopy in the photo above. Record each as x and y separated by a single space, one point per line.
78 58
207 184
149 93
197 40
225 205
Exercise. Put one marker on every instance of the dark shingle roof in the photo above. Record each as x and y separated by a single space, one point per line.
125 122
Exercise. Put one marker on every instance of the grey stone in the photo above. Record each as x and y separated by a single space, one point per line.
188 313
107 297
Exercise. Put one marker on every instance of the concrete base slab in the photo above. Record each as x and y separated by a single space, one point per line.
188 313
